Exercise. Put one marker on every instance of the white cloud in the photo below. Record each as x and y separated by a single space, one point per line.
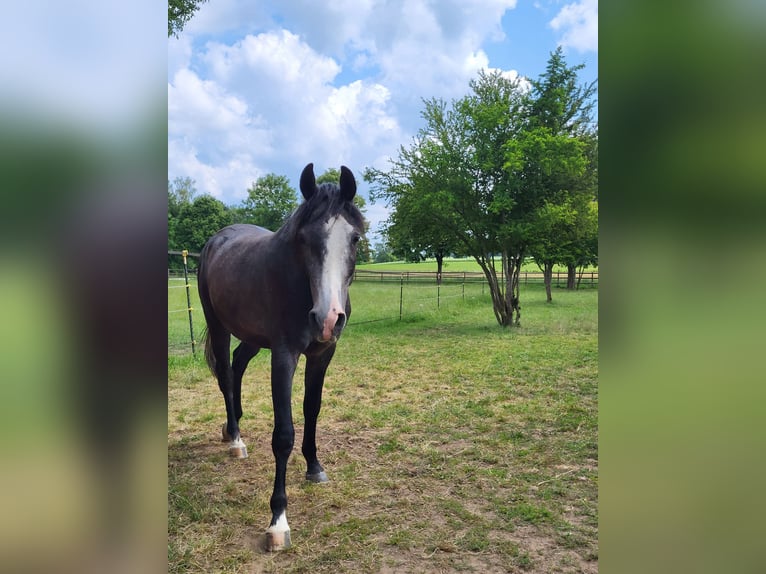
424 48
578 23
335 82
213 136
279 57
301 116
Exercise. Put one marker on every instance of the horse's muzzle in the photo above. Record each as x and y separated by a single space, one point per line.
329 326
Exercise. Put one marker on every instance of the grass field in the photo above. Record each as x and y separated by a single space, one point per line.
452 445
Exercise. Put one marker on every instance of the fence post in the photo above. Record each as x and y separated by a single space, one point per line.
401 294
464 286
438 296
184 253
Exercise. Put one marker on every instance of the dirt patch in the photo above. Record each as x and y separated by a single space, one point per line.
409 519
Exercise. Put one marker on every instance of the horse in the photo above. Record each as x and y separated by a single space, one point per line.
286 291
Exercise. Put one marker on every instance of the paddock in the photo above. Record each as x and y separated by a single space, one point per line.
452 445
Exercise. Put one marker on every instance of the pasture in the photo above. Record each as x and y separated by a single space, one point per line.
452 445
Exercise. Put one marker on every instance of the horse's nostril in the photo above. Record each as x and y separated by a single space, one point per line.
315 318
341 322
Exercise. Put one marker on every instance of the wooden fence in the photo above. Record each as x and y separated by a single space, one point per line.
586 279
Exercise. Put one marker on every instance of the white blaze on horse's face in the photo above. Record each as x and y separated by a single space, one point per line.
330 297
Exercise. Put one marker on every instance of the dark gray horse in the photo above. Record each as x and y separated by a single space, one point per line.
288 292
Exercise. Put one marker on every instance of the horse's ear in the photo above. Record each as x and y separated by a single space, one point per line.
308 181
347 184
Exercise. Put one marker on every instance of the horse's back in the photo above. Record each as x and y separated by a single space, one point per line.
236 231
235 241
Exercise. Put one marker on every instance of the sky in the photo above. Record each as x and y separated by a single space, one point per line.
269 86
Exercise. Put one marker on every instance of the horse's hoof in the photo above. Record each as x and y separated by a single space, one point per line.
317 477
237 449
225 436
276 541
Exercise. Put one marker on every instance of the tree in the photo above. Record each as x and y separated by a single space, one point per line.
585 245
547 165
199 220
179 13
483 169
382 254
563 108
414 230
550 236
270 201
181 191
452 179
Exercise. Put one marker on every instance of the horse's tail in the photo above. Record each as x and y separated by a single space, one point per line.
209 355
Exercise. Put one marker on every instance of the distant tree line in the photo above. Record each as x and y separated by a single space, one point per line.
504 173
193 217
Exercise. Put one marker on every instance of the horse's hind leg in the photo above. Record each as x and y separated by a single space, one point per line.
242 355
220 342
316 367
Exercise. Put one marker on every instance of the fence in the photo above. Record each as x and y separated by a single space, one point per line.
376 296
189 309
585 279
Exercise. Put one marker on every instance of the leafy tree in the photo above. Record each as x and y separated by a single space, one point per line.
382 254
490 169
181 191
179 14
270 201
585 245
563 108
452 178
547 165
550 237
199 220
414 234
558 102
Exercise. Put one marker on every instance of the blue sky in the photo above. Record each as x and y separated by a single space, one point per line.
267 87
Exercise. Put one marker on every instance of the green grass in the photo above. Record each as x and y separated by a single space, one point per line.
452 444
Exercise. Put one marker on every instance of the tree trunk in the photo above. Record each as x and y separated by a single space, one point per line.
514 288
439 263
571 276
505 293
547 279
512 271
498 301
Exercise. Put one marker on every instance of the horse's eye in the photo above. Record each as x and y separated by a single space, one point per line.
355 238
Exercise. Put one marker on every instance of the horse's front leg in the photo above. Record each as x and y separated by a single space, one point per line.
283 365
316 367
